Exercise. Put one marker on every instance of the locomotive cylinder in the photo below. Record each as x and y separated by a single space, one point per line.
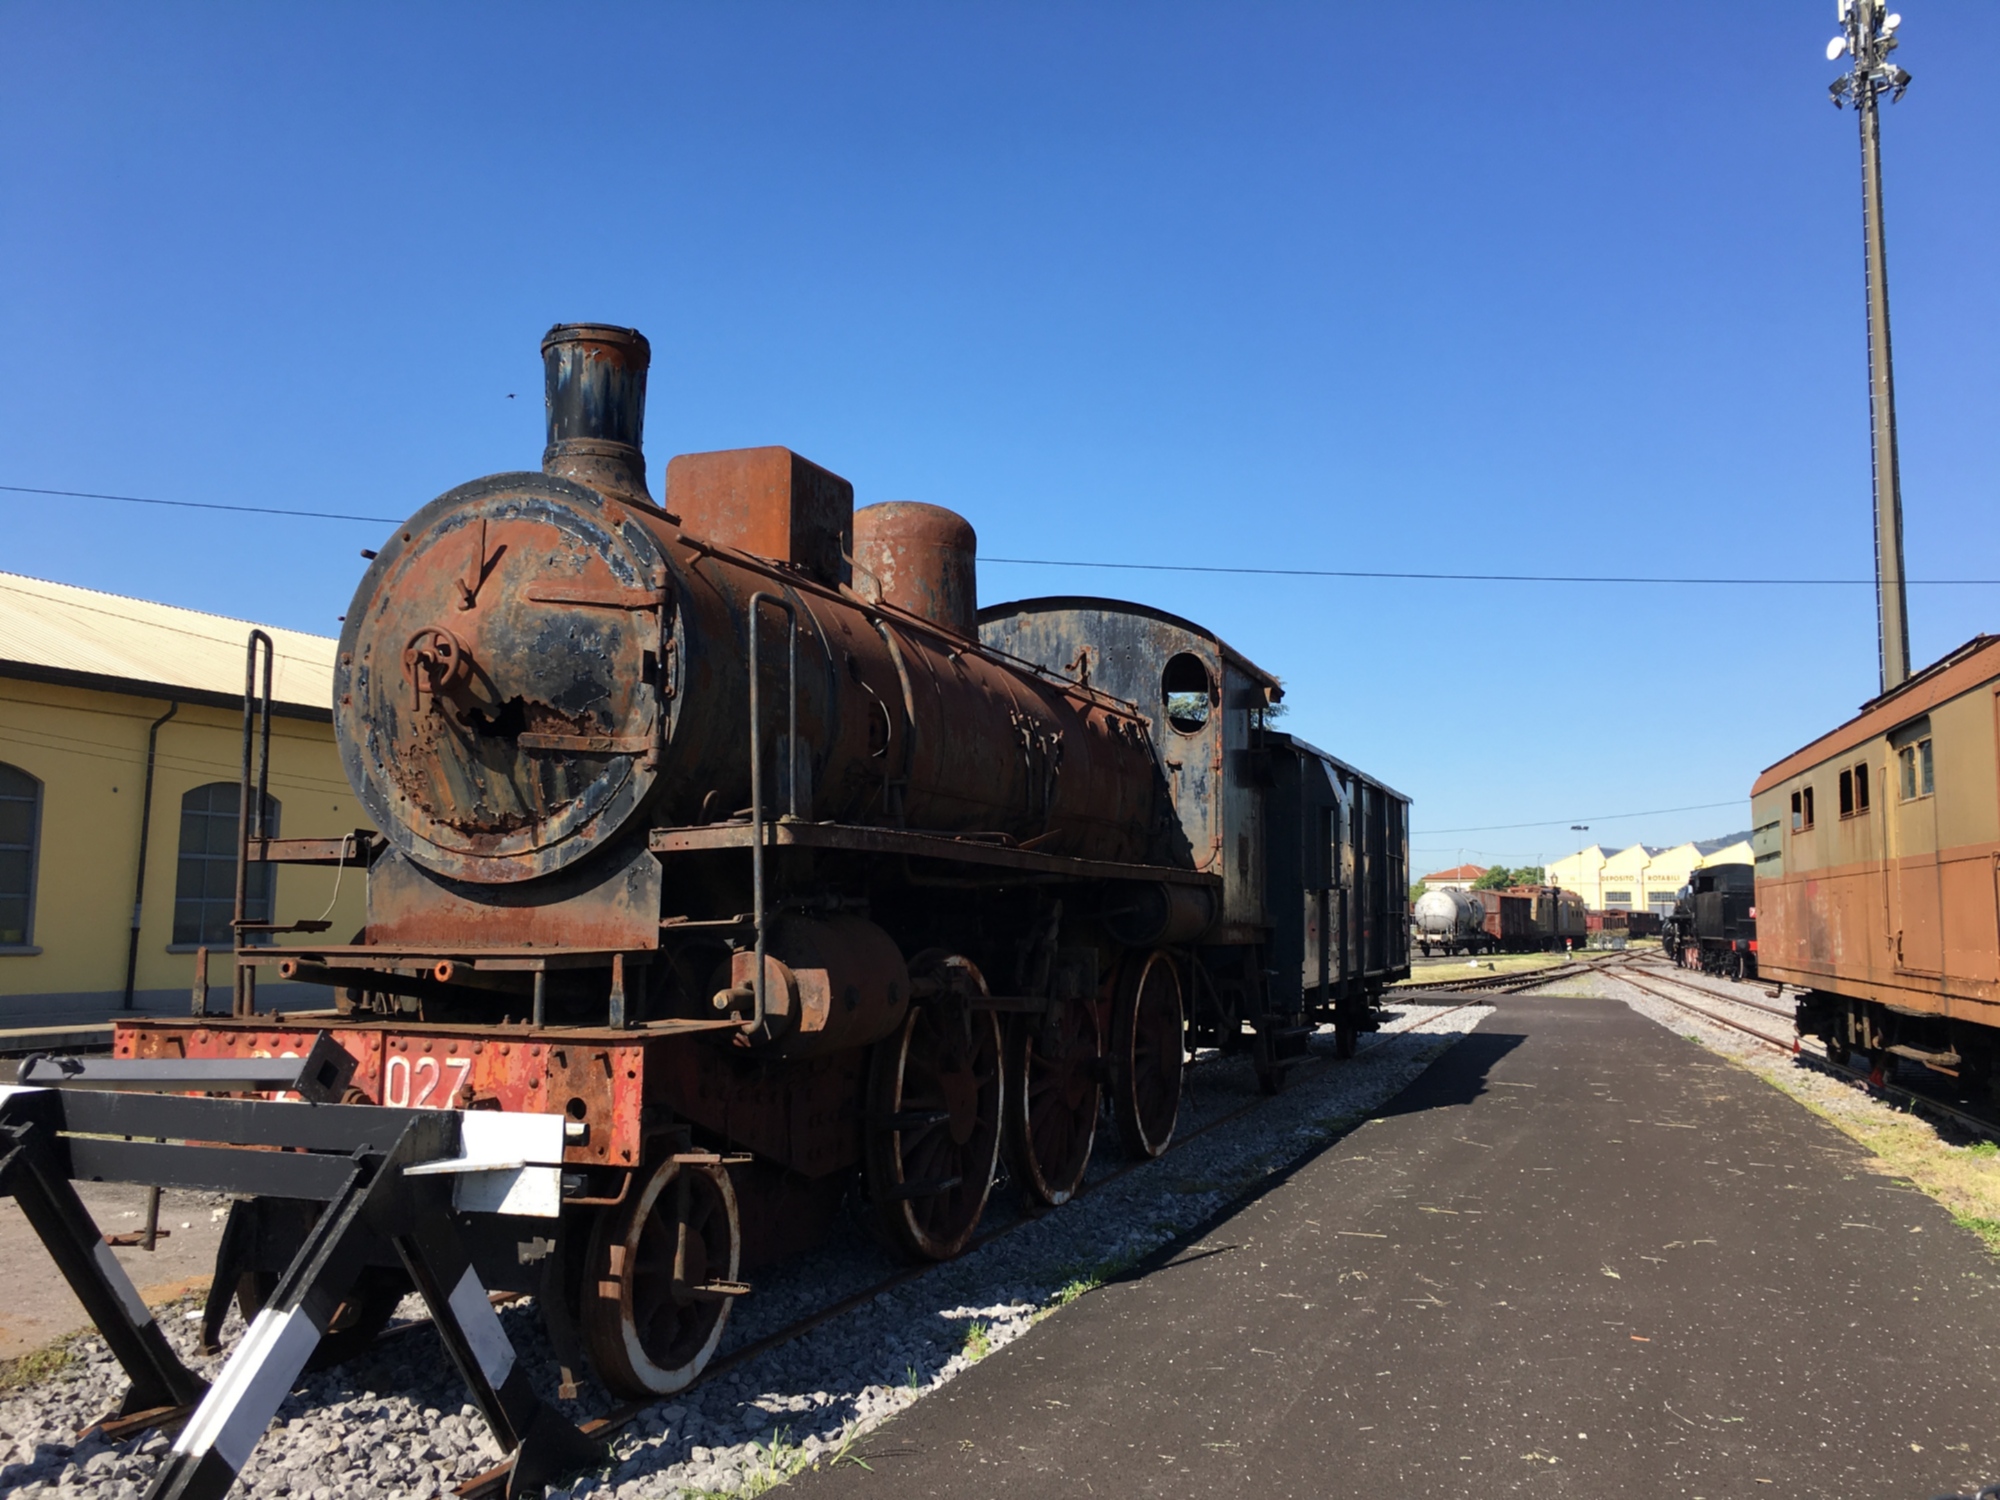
828 986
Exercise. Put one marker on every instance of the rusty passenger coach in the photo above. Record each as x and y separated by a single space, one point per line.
1877 853
729 864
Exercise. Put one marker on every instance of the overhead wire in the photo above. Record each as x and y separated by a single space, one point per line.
1431 833
1394 575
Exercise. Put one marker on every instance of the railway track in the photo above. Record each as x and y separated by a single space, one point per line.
1508 983
493 1482
1657 980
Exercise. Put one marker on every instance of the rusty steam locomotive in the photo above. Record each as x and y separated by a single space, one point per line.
726 831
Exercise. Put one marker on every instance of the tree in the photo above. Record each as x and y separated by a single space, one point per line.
1500 877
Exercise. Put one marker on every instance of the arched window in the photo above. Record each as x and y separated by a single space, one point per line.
205 885
20 830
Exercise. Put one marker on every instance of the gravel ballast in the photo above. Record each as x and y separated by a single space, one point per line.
395 1422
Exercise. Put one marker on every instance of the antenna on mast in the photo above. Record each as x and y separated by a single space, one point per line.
1868 35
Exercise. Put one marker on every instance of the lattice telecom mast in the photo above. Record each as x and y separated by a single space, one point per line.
1869 36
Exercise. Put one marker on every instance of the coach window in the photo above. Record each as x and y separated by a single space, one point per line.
1802 809
1914 764
1854 790
1188 691
20 830
205 884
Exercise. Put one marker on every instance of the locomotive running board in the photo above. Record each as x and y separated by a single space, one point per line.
357 1160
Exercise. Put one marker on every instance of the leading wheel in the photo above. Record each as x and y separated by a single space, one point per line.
1052 1111
362 1315
1147 1052
661 1276
936 1090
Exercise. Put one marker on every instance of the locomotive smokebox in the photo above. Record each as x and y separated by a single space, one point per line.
594 378
922 559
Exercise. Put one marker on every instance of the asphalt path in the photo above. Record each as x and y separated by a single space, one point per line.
1580 1256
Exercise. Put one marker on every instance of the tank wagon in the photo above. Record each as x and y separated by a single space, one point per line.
728 850
1455 921
1518 919
1876 847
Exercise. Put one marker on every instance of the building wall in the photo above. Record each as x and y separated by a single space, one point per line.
1630 879
1581 872
87 748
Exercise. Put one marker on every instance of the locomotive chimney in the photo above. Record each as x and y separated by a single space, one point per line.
594 378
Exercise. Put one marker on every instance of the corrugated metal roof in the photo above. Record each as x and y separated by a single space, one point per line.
60 627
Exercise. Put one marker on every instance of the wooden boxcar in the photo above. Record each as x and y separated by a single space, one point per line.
1878 872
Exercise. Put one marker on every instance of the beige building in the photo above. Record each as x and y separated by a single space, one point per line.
1643 877
121 726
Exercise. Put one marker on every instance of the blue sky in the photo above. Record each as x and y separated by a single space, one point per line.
1339 286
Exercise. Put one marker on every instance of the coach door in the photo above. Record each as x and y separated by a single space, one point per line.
1915 936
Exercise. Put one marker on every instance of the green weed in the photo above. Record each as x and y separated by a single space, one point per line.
34 1367
1987 1229
978 1342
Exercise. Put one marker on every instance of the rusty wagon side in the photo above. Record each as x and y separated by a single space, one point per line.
1878 871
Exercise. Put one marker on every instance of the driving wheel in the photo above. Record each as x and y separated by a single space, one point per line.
660 1280
1052 1114
936 1091
1147 1039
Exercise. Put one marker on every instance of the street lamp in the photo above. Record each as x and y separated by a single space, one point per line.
1868 36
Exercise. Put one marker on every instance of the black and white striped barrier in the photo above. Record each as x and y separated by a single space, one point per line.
387 1177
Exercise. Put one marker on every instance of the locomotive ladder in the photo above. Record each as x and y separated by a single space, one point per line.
386 1176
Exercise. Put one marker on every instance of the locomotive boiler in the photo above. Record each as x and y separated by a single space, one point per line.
726 830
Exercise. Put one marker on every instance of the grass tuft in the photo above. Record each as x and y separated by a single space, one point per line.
774 1462
35 1366
978 1342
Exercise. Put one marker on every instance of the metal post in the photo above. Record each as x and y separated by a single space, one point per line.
251 800
757 775
1869 37
145 836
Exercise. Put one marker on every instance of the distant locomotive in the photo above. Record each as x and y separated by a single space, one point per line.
1876 849
1713 926
731 832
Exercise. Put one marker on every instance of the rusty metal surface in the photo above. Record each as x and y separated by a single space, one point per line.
447 659
597 1081
993 852
594 388
610 904
769 502
922 559
802 1116
831 986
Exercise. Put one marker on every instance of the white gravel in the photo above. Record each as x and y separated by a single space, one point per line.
395 1423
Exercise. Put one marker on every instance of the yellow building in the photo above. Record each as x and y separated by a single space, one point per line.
121 725
1640 878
